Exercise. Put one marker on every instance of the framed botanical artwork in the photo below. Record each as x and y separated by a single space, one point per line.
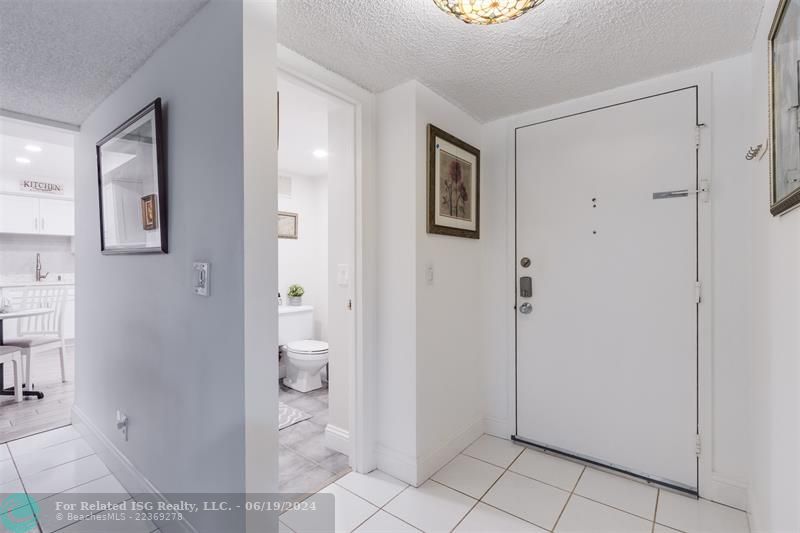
287 225
784 107
454 179
132 185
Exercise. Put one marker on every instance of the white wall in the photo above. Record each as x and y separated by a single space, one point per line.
449 329
429 334
147 344
724 86
396 287
341 255
260 163
775 373
305 260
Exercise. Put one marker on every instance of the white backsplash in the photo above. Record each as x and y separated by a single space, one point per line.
18 257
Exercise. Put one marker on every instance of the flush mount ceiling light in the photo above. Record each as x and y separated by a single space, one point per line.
319 153
33 148
23 160
487 11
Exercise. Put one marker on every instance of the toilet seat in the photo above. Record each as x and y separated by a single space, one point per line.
307 346
307 350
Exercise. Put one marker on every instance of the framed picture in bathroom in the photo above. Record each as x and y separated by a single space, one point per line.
287 225
454 174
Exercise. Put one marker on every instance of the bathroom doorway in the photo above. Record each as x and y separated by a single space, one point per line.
316 284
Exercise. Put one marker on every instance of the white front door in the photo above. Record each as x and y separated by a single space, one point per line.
607 355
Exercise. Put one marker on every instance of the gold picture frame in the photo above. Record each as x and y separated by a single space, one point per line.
149 216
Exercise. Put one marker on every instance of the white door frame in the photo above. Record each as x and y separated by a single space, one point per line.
710 484
362 410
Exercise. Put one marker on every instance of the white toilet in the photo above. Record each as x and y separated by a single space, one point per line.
305 357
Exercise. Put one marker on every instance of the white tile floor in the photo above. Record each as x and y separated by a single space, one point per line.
493 486
497 486
59 461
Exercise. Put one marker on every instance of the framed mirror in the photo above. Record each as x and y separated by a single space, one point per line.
132 185
784 107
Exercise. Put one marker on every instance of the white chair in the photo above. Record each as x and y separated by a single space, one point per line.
40 333
12 354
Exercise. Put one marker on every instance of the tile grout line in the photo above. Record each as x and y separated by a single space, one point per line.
62 464
24 488
41 433
383 507
378 508
655 511
585 467
568 500
480 499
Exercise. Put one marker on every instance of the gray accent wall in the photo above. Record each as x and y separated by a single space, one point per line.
171 360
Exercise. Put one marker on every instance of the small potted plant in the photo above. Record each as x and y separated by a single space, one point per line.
295 294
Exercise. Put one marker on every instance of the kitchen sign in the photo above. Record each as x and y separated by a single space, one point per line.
41 186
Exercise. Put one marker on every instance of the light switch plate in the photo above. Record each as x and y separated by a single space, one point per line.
201 280
343 275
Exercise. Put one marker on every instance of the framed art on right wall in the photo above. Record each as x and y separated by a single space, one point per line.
784 107
454 186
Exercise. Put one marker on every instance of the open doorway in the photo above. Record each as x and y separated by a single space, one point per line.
37 277
316 257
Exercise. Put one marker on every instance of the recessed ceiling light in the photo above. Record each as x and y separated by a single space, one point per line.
33 148
23 160
319 153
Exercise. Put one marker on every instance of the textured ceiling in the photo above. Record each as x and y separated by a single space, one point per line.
60 58
560 50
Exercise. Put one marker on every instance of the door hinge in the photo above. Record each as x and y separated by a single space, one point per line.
697 445
697 134
698 292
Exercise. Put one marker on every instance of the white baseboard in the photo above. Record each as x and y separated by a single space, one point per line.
416 470
729 492
337 439
126 473
428 465
397 464
498 427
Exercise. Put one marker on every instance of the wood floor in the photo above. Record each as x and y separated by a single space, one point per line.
18 420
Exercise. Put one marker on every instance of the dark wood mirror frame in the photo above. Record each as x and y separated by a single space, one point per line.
153 107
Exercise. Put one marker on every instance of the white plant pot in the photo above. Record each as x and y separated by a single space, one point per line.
295 300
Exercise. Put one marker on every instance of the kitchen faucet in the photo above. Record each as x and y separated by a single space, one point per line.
39 275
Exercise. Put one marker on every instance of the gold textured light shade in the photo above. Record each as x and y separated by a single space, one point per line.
487 11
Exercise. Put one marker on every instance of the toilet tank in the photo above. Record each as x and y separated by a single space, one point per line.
295 323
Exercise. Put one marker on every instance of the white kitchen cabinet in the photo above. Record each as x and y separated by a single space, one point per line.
39 216
19 214
56 217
